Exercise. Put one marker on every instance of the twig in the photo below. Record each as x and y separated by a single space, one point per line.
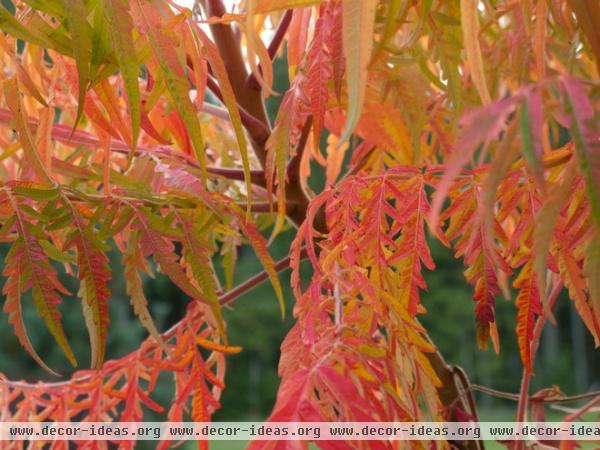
515 397
495 392
572 410
213 110
261 207
294 192
581 411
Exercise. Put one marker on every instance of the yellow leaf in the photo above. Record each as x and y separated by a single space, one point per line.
225 349
81 42
358 23
13 99
265 6
470 26
218 66
120 24
256 49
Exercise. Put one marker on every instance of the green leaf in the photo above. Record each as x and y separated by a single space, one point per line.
34 191
34 272
216 62
12 26
169 56
259 244
120 26
530 124
53 253
544 227
81 41
21 124
54 8
134 261
163 251
197 255
94 275
13 307
55 38
278 147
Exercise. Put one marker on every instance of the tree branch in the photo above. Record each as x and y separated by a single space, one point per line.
252 282
257 129
296 213
251 102
256 176
293 168
584 409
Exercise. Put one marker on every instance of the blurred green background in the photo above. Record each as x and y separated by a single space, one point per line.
566 358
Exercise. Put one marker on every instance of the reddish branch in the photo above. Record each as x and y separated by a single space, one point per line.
584 409
255 127
256 280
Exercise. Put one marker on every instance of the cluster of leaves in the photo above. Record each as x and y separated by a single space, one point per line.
122 388
126 123
357 319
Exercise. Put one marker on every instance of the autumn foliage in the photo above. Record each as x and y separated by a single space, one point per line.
141 125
